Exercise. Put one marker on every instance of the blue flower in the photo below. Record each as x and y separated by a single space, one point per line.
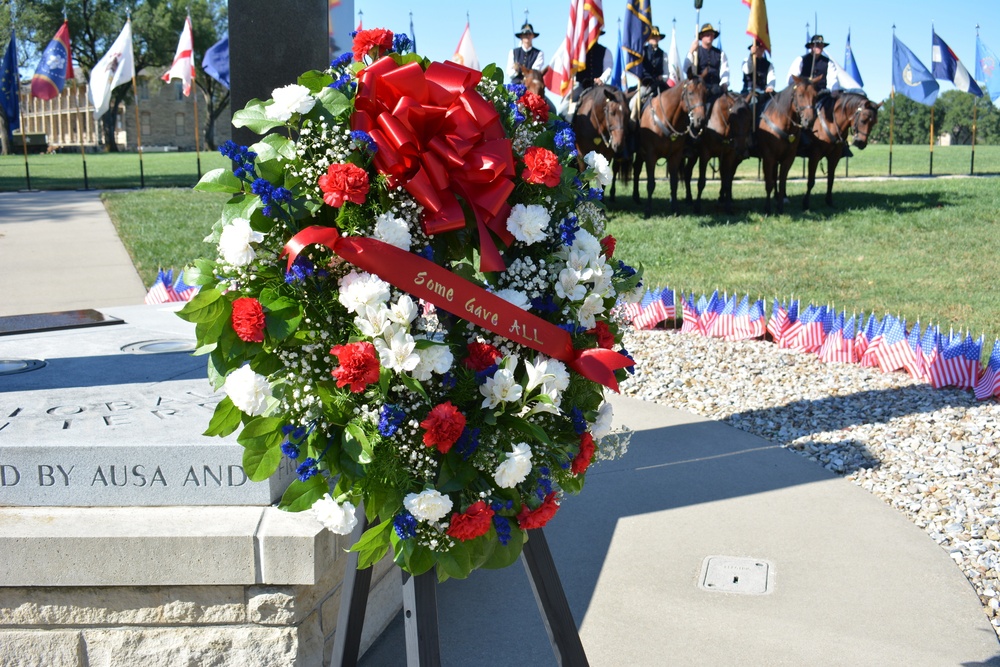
342 60
343 82
448 381
427 252
405 525
625 270
516 112
301 269
502 525
595 194
483 375
306 469
400 42
579 421
360 138
573 329
630 369
389 419
544 483
467 442
568 229
289 450
565 139
517 89
545 304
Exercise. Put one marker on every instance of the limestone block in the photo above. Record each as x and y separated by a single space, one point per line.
121 605
41 648
294 547
274 605
218 646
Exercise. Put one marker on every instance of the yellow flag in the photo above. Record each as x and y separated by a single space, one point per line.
757 25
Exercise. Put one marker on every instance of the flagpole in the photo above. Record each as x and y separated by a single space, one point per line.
931 173
197 128
24 135
892 121
972 164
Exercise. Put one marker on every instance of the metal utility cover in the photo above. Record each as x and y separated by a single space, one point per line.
729 574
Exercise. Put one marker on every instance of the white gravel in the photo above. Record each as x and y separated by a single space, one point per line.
930 453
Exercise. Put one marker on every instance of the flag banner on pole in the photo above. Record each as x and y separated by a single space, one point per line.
216 61
465 52
413 36
946 65
115 68
618 78
183 66
850 65
674 73
757 24
586 21
638 27
986 69
9 82
910 77
54 67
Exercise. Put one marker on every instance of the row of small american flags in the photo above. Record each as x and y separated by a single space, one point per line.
167 290
941 359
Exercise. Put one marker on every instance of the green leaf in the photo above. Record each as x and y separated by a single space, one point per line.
219 180
301 495
264 431
413 385
410 556
280 325
272 147
354 428
505 555
206 306
225 419
315 81
254 119
455 563
532 431
240 206
373 545
260 461
454 476
201 272
334 101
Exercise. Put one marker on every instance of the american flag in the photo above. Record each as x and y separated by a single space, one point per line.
989 384
741 320
832 343
630 310
586 21
183 291
723 324
914 363
861 340
972 352
162 290
894 352
808 335
870 357
646 318
779 315
791 320
945 369
667 300
928 344
707 315
757 319
849 354
689 315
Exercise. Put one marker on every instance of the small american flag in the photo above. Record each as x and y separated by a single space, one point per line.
870 357
723 324
806 335
706 316
946 365
828 351
989 384
183 291
861 340
741 320
894 352
667 299
757 319
791 323
972 352
689 315
914 363
779 315
646 317
162 290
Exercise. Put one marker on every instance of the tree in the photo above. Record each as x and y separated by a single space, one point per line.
25 17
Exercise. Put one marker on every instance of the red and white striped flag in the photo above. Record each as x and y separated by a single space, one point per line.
779 315
183 66
989 384
689 321
586 21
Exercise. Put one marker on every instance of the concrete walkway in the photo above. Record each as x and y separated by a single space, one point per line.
849 580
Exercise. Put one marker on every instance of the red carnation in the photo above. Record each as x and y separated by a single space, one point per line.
541 166
473 523
344 182
608 245
443 426
359 365
248 319
481 356
582 460
536 104
528 519
605 338
366 40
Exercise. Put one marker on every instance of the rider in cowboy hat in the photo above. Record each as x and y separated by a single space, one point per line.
596 70
526 55
814 64
758 77
653 72
710 60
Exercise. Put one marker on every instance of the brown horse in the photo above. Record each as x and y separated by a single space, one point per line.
725 137
664 123
836 114
779 132
601 124
533 79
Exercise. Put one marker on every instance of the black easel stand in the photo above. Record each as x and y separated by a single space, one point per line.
420 618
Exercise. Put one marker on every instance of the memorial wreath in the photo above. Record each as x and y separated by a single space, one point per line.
412 301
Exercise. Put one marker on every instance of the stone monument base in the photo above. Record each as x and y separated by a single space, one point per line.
166 586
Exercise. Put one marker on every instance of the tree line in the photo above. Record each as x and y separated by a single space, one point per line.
952 115
95 24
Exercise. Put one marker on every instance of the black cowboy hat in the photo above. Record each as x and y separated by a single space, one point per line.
526 29
817 40
708 28
655 33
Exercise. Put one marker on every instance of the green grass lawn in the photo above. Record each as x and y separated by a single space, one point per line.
919 248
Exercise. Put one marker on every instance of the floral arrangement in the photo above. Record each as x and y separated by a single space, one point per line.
412 301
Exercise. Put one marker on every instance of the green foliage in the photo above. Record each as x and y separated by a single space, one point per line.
911 121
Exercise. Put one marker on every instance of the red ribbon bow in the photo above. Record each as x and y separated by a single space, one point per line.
438 137
435 284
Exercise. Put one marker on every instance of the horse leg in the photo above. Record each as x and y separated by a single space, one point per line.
784 167
814 159
687 165
650 184
831 166
727 164
636 171
674 163
702 166
769 174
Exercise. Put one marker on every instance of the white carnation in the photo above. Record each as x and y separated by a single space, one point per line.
289 99
428 505
433 359
501 388
528 224
600 165
393 230
235 240
586 243
602 425
515 468
340 519
515 297
358 290
247 390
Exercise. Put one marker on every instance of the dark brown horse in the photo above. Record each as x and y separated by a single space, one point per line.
601 124
779 133
533 79
664 124
725 137
835 115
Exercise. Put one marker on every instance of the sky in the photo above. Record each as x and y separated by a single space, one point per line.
438 27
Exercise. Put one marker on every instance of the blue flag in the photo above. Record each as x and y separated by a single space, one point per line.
638 26
946 65
617 79
9 83
216 61
850 65
986 69
910 77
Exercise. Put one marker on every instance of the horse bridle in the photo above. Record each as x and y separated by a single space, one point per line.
606 138
686 99
798 110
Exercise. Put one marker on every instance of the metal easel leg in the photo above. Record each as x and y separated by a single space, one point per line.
552 603
420 619
353 603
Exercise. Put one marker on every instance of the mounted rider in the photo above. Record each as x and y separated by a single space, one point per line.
814 64
526 55
758 77
711 63
654 75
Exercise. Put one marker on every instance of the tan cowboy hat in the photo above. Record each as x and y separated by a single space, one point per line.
526 30
708 28
655 33
817 40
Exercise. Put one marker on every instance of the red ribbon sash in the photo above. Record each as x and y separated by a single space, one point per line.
435 284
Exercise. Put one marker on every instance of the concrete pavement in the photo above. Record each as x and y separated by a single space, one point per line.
849 581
